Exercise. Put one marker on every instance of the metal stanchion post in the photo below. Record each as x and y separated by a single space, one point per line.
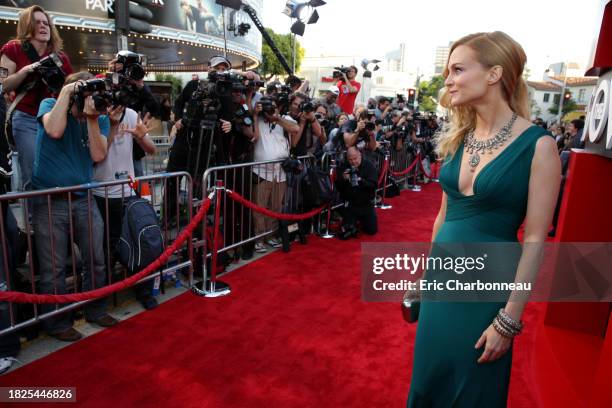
213 287
383 205
327 234
415 187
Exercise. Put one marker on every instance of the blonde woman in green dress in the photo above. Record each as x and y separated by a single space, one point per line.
463 350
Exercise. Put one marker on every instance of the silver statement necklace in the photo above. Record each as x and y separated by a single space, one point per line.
474 147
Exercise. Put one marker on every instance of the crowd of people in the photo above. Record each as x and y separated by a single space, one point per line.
69 130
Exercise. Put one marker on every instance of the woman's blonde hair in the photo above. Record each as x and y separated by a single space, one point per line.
495 48
26 28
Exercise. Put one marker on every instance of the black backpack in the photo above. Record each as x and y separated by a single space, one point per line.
317 188
141 240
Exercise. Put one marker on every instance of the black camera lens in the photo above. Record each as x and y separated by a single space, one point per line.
370 127
307 107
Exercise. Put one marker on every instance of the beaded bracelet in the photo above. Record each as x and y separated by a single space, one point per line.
505 318
506 327
500 330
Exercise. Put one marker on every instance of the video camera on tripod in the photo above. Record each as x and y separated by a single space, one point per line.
205 102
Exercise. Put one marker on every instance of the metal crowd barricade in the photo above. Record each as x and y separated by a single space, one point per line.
24 275
257 182
156 163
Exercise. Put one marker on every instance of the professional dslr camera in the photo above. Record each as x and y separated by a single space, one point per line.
307 106
51 73
267 105
281 96
132 65
353 176
322 120
99 89
338 71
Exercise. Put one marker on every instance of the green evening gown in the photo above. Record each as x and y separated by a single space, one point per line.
445 371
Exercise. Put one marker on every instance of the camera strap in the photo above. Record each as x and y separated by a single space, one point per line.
33 56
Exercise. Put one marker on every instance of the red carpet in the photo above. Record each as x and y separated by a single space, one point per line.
294 333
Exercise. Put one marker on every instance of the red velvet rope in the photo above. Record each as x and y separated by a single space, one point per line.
19 297
383 172
406 171
285 217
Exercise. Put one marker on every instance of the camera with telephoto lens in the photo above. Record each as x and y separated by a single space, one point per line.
227 82
338 71
124 91
50 71
267 105
252 84
354 177
99 90
282 98
307 107
132 65
322 120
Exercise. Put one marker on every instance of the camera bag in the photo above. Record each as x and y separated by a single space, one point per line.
317 188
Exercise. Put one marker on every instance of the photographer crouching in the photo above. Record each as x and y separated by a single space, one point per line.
357 180
72 132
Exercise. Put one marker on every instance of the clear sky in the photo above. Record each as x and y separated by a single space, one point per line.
549 30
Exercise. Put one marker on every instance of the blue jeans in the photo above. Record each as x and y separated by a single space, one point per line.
25 128
9 343
53 243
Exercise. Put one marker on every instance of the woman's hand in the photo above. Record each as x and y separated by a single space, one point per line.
30 68
495 344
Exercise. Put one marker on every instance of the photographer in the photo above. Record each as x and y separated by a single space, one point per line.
360 132
311 136
71 138
357 183
335 142
329 101
398 130
271 142
179 152
383 108
126 130
130 65
349 88
36 67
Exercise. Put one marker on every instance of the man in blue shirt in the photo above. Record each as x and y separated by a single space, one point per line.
68 144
